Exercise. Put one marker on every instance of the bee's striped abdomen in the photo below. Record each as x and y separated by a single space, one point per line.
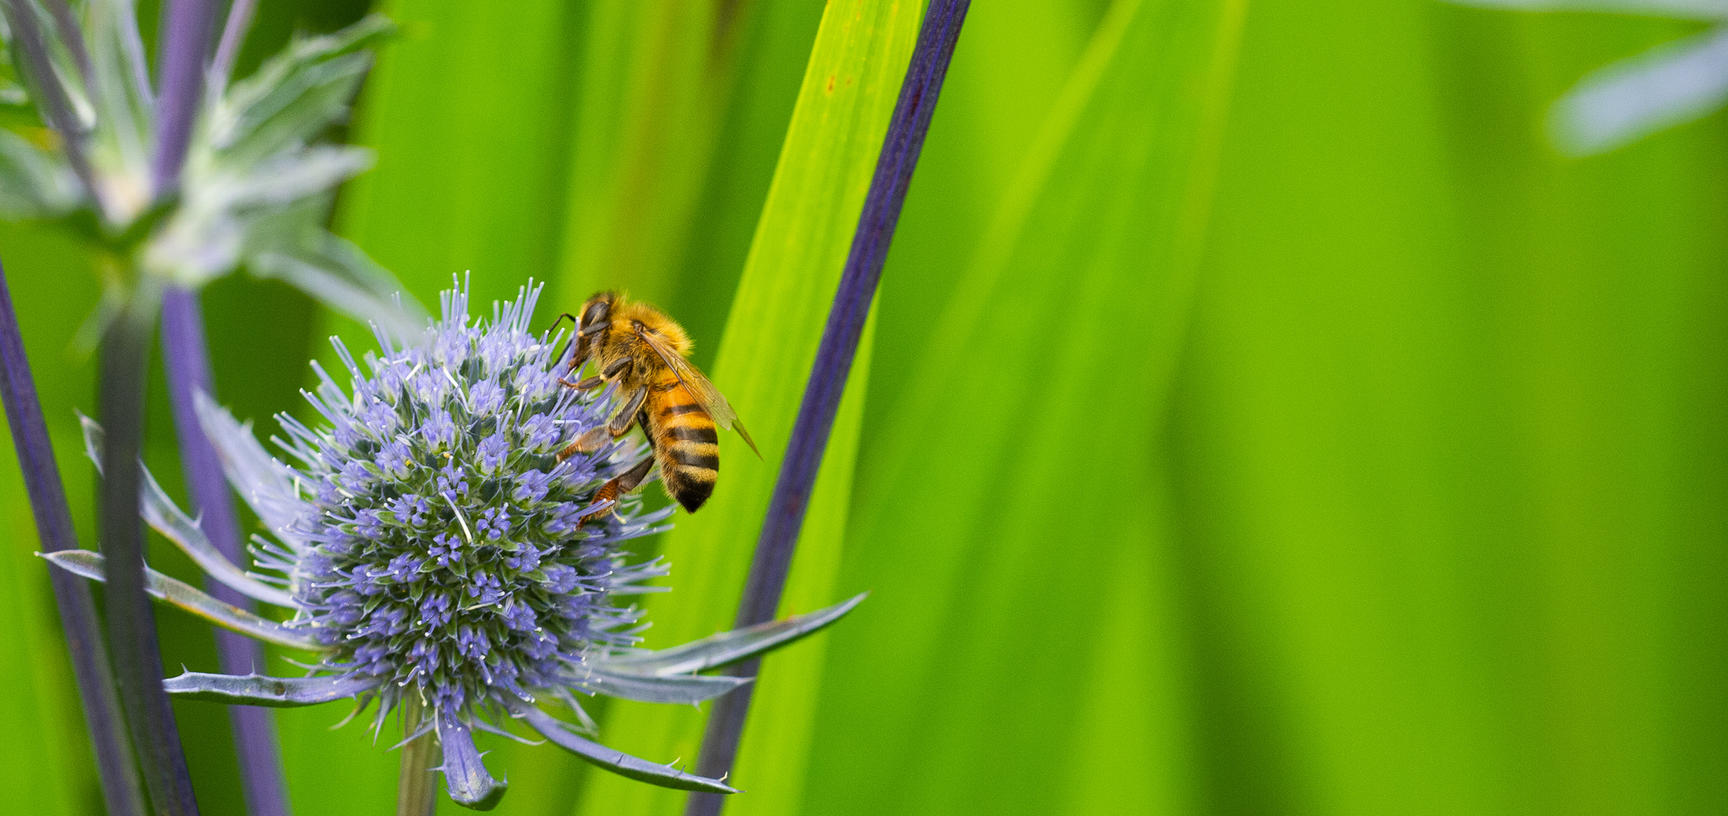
686 444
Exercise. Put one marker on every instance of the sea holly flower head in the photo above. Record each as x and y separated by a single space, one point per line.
255 186
439 552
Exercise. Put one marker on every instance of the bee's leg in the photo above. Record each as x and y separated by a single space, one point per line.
612 372
583 337
591 440
623 483
626 416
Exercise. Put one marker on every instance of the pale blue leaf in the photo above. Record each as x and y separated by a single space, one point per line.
1667 85
166 517
284 179
338 274
615 761
125 117
259 690
33 183
178 593
465 775
652 688
295 95
727 647
266 484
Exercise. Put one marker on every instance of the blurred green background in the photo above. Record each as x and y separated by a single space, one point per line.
1259 415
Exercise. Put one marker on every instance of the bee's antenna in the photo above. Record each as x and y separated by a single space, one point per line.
554 327
560 319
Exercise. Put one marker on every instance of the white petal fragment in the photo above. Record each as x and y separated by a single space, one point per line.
259 690
617 762
1664 86
727 647
161 587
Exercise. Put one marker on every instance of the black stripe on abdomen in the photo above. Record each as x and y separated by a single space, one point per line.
687 458
689 433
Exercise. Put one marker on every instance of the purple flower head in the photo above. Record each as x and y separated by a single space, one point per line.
434 551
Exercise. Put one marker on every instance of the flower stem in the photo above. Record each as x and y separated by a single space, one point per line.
90 665
188 365
185 39
937 36
417 786
131 621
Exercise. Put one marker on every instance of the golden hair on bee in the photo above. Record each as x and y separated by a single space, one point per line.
644 352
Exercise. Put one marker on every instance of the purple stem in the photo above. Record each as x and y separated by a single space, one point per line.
186 27
773 559
188 365
186 30
77 611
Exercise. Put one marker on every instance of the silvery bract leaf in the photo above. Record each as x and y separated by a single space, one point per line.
226 216
196 245
648 688
169 590
11 87
294 95
165 517
1667 85
33 183
337 273
284 179
124 134
615 761
1684 9
266 484
727 647
259 690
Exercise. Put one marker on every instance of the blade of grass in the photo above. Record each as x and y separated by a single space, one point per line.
654 84
470 146
855 66
1087 272
938 35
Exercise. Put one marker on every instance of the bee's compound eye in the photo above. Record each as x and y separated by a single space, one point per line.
595 312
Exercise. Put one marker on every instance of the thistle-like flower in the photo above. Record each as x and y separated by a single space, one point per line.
256 184
440 556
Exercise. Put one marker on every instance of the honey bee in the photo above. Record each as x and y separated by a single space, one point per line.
642 350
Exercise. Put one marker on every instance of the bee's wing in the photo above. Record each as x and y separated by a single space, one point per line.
699 388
